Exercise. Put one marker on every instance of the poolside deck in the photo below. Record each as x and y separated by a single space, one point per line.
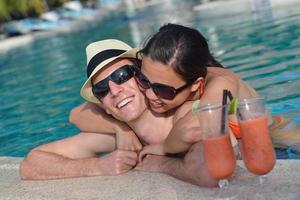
282 183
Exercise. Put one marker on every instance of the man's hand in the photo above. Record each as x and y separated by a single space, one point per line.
156 149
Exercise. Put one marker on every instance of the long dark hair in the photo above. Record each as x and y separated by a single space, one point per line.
184 49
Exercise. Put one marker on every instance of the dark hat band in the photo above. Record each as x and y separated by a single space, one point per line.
100 57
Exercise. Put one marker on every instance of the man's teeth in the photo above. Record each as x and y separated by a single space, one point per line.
123 103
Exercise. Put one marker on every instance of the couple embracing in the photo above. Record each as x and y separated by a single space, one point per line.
139 110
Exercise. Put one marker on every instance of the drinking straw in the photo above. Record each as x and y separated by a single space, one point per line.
224 102
229 95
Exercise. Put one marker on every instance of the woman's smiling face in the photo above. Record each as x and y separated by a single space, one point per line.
157 72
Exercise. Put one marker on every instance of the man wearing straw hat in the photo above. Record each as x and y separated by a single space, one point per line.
111 85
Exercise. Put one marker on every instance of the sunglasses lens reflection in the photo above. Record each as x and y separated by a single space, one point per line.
142 80
119 77
101 90
164 92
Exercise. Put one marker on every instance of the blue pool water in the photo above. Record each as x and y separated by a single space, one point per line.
40 82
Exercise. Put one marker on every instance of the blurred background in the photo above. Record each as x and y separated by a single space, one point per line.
43 63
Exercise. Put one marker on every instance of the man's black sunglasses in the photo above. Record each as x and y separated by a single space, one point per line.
119 76
161 90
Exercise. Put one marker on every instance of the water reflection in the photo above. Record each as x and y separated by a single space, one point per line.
261 10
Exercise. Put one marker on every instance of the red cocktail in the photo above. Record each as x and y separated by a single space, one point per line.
219 157
257 148
256 145
218 152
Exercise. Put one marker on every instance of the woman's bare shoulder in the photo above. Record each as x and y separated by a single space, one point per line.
183 110
221 72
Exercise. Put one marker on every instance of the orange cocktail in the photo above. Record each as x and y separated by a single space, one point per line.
217 149
256 145
219 157
257 149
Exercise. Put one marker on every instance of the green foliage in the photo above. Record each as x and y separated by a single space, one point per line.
20 6
4 13
14 9
37 6
10 9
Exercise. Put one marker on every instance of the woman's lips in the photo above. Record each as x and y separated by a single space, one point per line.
155 104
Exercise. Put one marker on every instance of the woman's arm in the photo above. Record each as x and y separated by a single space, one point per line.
185 131
90 117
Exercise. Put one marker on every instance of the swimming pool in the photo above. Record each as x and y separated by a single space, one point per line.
40 82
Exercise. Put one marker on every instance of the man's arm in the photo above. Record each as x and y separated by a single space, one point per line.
75 157
90 117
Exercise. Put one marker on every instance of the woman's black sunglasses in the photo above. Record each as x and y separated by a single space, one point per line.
161 90
119 76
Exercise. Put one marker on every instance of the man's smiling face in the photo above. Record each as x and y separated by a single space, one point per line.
124 102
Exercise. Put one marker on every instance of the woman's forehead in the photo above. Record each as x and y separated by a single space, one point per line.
158 72
151 66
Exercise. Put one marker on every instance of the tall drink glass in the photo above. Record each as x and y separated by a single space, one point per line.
256 145
218 152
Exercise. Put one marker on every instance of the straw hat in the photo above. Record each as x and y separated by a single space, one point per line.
99 54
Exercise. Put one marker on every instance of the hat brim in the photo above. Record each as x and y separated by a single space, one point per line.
86 89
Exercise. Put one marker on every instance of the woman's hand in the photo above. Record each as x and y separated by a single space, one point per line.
127 139
156 149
